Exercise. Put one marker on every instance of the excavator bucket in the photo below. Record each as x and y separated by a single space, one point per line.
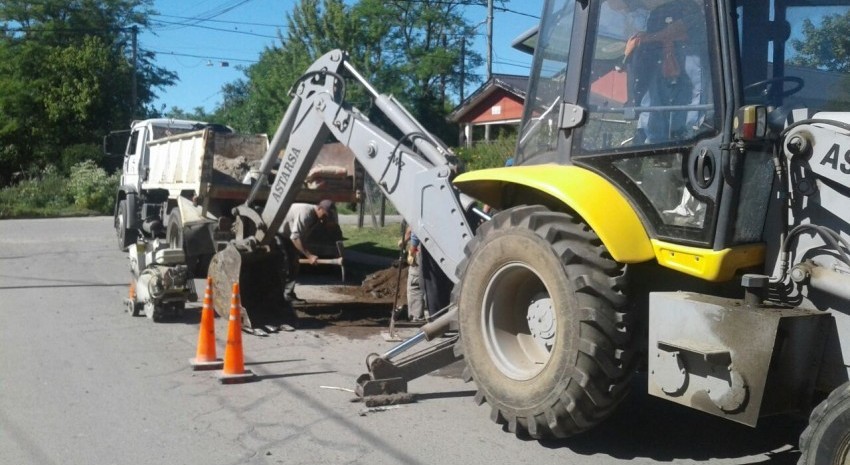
261 276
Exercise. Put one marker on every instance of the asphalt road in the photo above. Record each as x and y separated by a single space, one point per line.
82 382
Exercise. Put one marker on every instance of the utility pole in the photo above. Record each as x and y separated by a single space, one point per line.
489 39
133 93
462 66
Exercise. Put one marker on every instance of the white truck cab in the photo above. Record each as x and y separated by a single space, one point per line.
136 155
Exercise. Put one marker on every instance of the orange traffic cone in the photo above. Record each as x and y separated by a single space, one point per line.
132 307
205 358
234 362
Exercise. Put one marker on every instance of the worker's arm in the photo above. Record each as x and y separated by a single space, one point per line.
403 241
300 246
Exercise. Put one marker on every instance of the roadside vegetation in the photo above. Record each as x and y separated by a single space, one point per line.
85 190
488 155
68 72
65 87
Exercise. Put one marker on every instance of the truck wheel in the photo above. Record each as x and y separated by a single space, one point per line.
826 441
175 239
542 322
126 237
174 229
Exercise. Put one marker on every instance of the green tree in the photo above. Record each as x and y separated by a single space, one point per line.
65 76
420 52
197 114
408 49
825 46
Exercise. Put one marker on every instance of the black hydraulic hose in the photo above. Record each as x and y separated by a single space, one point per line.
831 237
828 235
395 150
784 189
339 79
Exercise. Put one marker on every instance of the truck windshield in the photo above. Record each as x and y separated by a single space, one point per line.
542 110
166 131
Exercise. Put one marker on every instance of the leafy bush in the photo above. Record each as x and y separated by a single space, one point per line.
42 194
488 155
78 153
91 188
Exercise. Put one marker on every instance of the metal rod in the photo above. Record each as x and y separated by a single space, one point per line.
481 214
437 327
404 346
351 69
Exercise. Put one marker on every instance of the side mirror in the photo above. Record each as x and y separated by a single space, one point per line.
115 143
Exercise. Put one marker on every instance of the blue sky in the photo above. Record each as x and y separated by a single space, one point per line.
206 41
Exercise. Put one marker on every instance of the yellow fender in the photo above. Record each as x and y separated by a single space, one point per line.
595 199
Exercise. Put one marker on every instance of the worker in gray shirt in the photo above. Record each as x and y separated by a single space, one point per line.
297 225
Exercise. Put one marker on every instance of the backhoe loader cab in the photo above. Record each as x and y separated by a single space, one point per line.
694 146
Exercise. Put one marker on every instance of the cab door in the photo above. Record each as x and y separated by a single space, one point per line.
651 85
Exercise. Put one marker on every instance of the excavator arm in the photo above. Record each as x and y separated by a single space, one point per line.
412 171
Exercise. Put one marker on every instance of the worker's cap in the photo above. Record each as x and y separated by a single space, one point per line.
327 205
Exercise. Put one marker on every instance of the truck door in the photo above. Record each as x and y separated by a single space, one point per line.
133 158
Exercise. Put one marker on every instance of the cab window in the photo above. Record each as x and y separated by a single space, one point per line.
649 100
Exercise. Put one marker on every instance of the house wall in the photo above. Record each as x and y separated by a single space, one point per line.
500 106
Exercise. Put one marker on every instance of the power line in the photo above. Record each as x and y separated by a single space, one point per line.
472 3
65 29
210 14
244 23
217 29
203 57
508 10
515 65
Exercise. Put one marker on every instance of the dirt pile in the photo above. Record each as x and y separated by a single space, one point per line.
384 283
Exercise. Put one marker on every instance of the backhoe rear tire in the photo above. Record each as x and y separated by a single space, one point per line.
543 324
826 441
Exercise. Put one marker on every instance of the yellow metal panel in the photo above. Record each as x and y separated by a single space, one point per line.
595 199
710 265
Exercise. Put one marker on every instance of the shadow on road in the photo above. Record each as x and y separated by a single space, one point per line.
649 427
292 375
443 395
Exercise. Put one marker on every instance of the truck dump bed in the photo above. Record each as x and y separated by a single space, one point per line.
182 162
210 164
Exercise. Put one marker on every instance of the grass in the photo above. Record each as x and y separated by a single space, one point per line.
374 241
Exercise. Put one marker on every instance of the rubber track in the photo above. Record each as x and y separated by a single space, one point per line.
600 378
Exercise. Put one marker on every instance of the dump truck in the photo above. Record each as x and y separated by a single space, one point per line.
677 209
179 183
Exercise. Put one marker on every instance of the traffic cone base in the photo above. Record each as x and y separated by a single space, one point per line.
233 370
198 365
245 377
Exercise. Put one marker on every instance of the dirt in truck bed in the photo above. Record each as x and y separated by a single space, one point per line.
232 169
